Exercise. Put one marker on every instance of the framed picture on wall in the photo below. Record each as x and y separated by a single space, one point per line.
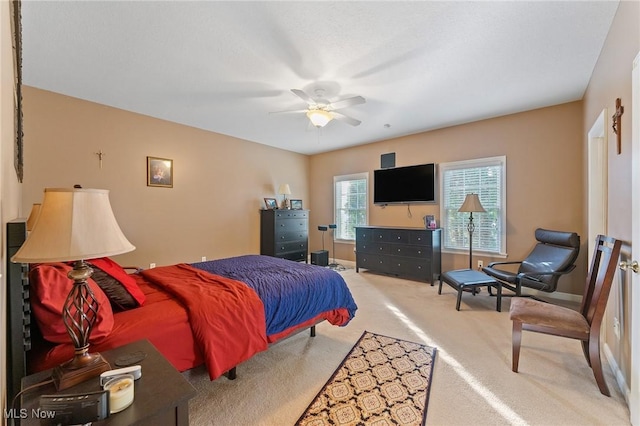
159 172
271 203
296 204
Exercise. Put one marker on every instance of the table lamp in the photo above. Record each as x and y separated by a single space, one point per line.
471 204
285 190
33 216
74 225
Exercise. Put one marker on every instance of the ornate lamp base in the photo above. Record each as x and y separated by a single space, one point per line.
82 367
79 315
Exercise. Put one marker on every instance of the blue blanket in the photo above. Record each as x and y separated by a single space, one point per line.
291 292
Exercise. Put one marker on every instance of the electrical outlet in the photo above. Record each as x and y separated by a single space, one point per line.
152 265
480 265
616 327
204 258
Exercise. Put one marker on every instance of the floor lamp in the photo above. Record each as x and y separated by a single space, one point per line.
335 265
75 225
322 228
472 205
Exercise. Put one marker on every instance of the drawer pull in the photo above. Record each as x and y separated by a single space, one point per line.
398 237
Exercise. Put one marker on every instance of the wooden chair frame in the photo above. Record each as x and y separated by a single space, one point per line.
594 302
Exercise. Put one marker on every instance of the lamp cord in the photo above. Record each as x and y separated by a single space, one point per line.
27 389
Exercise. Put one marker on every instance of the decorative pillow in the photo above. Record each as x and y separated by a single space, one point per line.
114 270
118 295
50 287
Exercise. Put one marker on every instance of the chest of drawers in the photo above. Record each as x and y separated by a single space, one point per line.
285 234
405 252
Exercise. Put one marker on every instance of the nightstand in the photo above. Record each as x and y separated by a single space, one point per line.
162 394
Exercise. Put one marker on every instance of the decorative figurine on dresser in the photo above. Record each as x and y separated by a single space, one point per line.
405 252
285 234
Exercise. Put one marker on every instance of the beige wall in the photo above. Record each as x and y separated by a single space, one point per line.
219 181
611 79
544 177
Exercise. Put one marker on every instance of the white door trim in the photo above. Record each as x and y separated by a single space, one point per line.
634 397
597 178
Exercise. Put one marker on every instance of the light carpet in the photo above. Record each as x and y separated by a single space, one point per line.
382 381
473 382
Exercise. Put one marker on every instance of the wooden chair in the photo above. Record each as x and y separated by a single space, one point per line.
584 325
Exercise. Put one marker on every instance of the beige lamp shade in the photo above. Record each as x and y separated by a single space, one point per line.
284 189
33 216
74 224
472 204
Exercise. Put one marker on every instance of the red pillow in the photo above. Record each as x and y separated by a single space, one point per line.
128 282
50 287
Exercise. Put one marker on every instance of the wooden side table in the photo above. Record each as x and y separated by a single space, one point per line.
162 394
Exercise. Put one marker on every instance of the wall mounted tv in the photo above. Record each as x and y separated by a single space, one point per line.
412 184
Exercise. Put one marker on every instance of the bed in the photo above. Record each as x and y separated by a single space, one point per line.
218 313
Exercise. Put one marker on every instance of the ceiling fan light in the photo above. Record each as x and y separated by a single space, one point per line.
319 117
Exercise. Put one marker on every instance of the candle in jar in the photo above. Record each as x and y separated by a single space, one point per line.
120 393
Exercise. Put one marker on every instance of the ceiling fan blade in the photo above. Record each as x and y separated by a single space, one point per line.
356 100
345 118
288 110
304 96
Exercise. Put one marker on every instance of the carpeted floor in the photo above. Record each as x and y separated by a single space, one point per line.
472 378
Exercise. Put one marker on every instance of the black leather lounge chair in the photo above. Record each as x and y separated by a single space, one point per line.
553 256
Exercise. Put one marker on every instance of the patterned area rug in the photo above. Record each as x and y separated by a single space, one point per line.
382 381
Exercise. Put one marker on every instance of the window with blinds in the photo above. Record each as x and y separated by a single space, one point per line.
350 204
485 177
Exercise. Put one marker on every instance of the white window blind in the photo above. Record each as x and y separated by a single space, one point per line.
350 204
485 177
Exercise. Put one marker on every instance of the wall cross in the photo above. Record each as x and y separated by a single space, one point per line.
100 154
617 123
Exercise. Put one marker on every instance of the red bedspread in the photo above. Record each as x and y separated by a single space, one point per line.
226 316
162 320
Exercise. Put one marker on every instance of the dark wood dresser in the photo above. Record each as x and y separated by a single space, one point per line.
405 252
285 234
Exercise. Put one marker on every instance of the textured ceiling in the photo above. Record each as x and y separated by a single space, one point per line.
224 66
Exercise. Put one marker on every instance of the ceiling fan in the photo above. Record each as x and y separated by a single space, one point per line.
320 111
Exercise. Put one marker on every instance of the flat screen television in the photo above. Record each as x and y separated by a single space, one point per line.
412 184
